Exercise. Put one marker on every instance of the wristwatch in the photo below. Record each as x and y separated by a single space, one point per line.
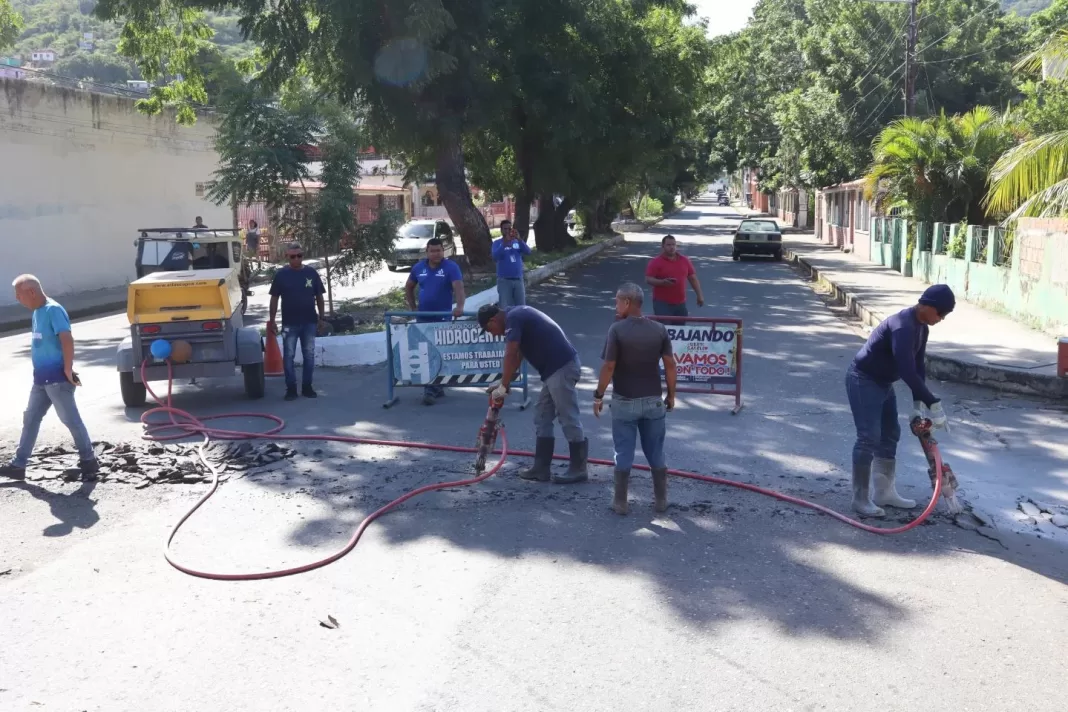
597 395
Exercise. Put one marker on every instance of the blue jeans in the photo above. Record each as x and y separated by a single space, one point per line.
558 400
664 309
60 395
874 407
634 418
306 334
511 292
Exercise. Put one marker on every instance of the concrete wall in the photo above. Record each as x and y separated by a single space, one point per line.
1031 287
80 173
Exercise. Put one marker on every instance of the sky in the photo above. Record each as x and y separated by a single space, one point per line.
724 16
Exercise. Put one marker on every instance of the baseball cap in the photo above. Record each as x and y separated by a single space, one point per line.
486 312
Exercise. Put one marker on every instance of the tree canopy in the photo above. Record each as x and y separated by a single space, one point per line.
573 99
806 87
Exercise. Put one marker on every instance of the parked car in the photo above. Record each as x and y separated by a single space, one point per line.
758 237
410 246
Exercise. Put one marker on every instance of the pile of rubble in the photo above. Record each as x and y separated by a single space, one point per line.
145 464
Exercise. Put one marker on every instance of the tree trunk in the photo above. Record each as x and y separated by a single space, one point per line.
456 195
563 237
522 215
543 232
549 229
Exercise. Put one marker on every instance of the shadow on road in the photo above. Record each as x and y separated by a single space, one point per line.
74 510
718 555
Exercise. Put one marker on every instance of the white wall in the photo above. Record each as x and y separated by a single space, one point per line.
80 173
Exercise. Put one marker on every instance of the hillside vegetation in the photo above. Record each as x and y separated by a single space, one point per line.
1025 8
60 25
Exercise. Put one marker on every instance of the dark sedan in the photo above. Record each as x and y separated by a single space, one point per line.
758 237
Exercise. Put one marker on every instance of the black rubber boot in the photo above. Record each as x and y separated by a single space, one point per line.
543 459
619 501
660 476
576 468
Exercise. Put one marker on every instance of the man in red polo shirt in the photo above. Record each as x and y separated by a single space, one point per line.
667 274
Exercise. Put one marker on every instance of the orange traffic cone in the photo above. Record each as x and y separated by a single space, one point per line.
272 363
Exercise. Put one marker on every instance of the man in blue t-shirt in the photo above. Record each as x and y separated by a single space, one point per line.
301 290
440 281
895 350
532 335
508 253
54 379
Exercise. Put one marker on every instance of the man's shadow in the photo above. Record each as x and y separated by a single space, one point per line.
71 510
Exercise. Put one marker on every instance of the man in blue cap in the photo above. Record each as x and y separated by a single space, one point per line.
894 351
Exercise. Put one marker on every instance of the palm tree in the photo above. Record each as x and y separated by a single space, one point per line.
1031 180
939 166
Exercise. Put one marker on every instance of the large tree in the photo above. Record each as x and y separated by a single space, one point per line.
10 25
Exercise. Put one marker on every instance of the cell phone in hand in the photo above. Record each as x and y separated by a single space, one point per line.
74 377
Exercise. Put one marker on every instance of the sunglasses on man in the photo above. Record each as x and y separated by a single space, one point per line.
296 257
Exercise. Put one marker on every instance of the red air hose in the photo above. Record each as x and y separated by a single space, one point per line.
183 424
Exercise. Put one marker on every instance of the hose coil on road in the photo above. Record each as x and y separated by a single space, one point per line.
181 424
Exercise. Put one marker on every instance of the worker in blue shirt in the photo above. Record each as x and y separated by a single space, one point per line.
508 253
440 282
894 351
54 380
532 335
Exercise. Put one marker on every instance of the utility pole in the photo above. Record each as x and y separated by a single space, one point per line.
911 64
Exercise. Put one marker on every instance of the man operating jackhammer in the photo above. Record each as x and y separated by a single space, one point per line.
633 350
532 335
894 351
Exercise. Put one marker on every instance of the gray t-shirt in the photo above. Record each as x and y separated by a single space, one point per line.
636 344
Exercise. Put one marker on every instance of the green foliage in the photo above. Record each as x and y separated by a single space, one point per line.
958 243
1044 108
939 166
105 69
649 208
10 25
803 90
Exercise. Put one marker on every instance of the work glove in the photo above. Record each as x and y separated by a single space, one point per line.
938 417
497 391
917 409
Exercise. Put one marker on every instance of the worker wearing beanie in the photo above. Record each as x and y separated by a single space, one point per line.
894 351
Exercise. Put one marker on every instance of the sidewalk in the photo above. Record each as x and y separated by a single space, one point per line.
98 302
972 345
15 317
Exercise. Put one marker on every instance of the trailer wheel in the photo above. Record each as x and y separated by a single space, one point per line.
134 394
255 381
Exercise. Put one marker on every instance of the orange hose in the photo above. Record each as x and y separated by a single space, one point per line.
184 424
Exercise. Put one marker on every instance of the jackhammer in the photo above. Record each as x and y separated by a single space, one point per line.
487 434
921 428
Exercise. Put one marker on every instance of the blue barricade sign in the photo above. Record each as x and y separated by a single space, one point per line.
436 349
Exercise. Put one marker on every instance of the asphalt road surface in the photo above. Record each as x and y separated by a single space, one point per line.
520 596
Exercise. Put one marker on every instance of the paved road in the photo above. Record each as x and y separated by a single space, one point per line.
516 596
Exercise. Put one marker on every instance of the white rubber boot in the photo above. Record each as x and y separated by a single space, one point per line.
862 503
884 477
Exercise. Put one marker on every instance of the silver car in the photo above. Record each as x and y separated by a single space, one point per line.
410 246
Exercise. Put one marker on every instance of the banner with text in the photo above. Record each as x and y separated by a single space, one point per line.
446 353
705 353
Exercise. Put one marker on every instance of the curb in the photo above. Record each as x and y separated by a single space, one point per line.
75 313
943 367
370 349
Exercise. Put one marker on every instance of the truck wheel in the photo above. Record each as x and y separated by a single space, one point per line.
134 394
255 382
